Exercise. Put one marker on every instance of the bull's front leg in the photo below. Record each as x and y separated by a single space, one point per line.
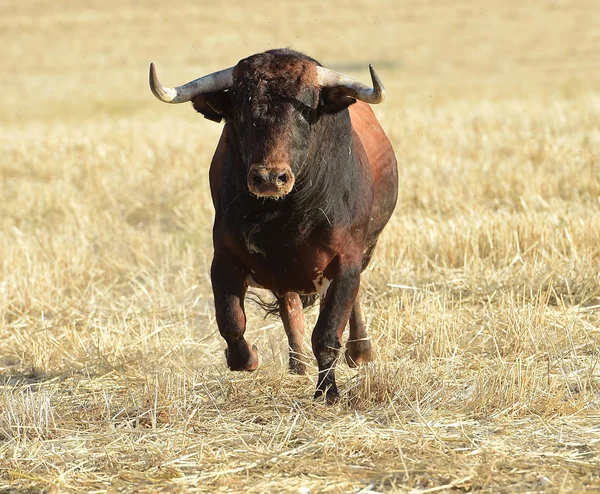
327 334
229 288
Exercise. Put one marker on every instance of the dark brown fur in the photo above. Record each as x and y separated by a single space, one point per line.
325 228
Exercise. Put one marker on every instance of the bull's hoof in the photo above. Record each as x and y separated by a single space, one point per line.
297 364
298 368
242 358
358 353
331 396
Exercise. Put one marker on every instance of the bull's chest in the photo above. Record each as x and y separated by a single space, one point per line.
286 259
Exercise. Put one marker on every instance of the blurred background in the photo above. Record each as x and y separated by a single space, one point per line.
481 300
85 58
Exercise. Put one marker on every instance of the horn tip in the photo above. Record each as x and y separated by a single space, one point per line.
152 76
377 84
162 93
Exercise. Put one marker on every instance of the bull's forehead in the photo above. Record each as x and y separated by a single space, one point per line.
277 75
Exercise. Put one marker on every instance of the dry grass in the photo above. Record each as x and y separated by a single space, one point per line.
483 300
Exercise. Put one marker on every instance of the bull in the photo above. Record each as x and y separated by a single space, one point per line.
303 181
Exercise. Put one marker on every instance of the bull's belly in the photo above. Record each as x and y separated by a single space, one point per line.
317 285
306 275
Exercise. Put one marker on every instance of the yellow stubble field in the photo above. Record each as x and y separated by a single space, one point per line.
483 298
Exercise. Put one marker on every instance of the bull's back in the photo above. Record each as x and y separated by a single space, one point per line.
382 162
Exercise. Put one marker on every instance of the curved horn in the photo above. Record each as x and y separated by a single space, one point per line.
217 81
352 87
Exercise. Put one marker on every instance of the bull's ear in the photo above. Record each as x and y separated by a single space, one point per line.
214 106
334 99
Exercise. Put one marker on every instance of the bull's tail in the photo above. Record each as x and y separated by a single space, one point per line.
271 308
309 300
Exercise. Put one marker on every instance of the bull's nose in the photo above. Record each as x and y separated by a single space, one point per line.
273 182
259 177
262 177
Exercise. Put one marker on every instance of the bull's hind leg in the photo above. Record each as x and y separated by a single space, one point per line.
358 347
290 309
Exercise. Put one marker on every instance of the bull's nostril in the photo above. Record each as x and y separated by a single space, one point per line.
257 179
283 177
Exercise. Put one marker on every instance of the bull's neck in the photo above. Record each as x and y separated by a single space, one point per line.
326 185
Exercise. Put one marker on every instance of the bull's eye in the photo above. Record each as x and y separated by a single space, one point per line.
308 114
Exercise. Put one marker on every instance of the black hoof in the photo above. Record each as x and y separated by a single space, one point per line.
297 365
358 353
242 358
331 396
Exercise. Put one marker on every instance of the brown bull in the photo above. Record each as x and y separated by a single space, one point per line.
303 181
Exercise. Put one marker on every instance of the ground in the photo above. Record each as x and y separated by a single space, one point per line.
483 298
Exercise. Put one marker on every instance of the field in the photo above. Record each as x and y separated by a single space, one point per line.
483 299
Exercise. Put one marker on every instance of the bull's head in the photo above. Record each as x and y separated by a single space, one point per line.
272 99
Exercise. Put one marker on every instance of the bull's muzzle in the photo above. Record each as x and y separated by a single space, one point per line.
271 181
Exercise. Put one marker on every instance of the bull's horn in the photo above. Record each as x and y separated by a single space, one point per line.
217 81
352 87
